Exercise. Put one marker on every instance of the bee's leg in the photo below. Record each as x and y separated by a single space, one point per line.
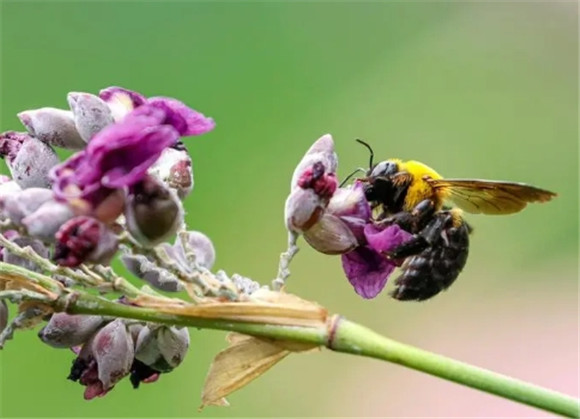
412 221
431 234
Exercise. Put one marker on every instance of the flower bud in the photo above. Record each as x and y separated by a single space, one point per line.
7 189
3 315
67 330
173 168
46 220
163 348
104 360
303 209
331 236
153 212
200 244
148 271
55 127
36 245
84 239
91 114
25 202
28 159
121 101
322 151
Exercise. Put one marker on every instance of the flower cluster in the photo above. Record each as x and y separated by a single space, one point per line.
125 181
130 162
109 350
337 220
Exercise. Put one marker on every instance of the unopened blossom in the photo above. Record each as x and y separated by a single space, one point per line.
174 169
199 244
29 159
84 239
313 185
7 189
146 269
23 203
45 221
91 114
55 127
153 212
104 360
67 330
158 349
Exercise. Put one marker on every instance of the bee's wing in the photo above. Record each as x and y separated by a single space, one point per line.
489 196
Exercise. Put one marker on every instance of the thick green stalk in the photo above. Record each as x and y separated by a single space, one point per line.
345 336
355 339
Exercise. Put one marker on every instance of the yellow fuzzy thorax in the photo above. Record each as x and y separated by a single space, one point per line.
420 190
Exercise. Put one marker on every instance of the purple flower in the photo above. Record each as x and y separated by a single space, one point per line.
339 221
118 156
367 267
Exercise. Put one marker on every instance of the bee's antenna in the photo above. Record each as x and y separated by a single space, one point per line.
358 140
360 169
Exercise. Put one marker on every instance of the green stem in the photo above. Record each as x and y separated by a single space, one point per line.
355 339
345 336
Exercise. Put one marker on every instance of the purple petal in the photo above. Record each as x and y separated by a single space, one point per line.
184 119
385 240
116 93
367 271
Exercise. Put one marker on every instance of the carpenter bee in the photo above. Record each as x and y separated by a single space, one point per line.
415 197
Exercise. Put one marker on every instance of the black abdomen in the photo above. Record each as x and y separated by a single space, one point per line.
437 266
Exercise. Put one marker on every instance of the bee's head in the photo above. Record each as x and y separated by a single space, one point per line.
384 169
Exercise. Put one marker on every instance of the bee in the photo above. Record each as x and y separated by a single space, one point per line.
423 203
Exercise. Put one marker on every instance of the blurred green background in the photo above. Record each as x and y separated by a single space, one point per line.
472 89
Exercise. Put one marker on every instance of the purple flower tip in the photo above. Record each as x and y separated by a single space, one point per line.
10 144
184 119
114 93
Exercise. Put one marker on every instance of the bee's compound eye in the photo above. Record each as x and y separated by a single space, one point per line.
384 168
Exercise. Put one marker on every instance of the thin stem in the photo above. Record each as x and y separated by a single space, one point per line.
347 337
